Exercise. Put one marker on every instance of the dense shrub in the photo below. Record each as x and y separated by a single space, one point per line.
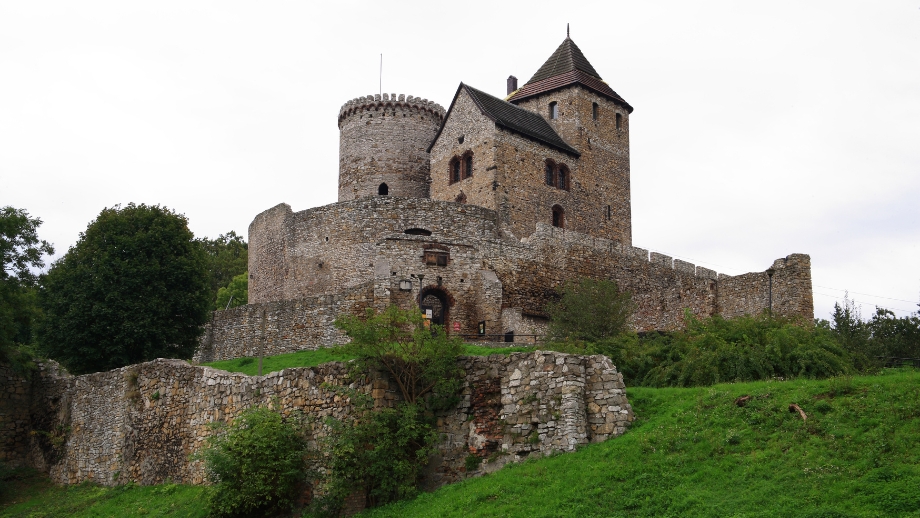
589 310
257 464
381 454
718 350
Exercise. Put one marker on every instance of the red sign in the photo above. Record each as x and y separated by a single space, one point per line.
456 326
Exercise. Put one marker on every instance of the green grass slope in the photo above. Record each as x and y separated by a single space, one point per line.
250 366
31 495
695 452
692 452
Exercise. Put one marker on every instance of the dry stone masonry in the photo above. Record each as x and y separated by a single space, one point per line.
144 422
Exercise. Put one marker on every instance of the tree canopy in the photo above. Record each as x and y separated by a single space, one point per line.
589 310
228 257
236 293
133 288
21 250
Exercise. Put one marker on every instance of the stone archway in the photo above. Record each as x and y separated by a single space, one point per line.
438 302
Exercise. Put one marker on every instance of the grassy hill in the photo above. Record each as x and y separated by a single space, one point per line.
691 452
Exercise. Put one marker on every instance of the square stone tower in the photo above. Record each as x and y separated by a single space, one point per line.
569 93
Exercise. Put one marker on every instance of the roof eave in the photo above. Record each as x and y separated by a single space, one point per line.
618 100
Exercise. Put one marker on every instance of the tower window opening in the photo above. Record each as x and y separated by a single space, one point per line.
553 110
468 165
594 111
563 178
619 121
455 170
550 173
383 190
558 216
608 212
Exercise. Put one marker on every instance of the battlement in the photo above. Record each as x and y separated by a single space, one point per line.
375 102
545 231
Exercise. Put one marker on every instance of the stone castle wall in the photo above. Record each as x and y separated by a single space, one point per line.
384 139
14 417
489 275
281 326
142 423
328 249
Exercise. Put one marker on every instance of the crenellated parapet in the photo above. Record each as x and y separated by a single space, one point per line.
401 101
383 146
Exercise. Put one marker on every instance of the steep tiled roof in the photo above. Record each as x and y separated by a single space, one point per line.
513 118
567 66
567 57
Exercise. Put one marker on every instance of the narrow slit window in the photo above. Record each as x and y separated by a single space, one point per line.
468 166
594 111
553 110
608 212
619 121
558 217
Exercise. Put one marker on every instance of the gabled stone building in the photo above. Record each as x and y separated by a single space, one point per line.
477 214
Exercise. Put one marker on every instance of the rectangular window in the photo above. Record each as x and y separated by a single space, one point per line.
594 111
433 258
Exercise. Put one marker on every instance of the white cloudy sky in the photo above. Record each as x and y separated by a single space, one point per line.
760 128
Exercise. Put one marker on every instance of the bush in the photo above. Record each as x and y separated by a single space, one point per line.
589 310
717 350
382 453
421 360
257 464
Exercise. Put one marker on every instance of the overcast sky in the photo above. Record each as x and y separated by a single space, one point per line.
760 128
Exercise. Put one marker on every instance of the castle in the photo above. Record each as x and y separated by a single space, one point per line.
477 215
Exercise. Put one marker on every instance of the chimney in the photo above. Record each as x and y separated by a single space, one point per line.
512 84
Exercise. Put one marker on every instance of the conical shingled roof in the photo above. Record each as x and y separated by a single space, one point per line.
568 57
567 66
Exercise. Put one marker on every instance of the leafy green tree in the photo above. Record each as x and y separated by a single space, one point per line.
421 360
257 464
895 337
21 251
589 310
132 289
234 294
228 257
383 452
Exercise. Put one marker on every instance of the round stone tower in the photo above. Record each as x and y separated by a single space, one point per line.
383 144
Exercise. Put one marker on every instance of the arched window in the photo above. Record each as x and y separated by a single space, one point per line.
558 216
594 111
468 164
454 170
550 173
383 190
553 110
562 179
